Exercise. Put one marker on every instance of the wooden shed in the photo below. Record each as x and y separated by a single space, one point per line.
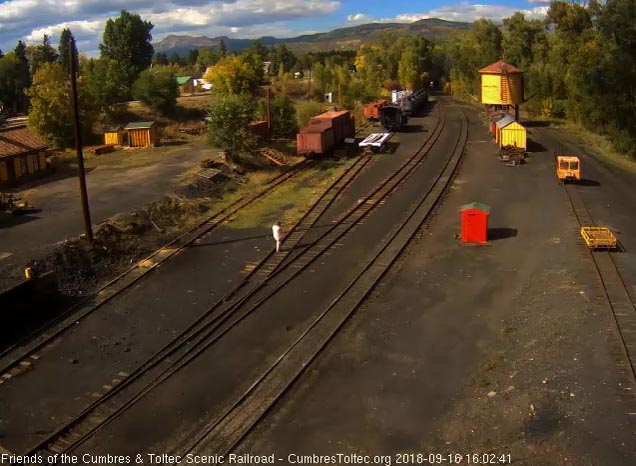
22 155
186 85
114 135
142 134
511 133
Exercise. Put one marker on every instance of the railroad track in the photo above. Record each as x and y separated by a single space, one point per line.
615 290
20 354
614 287
223 434
223 317
13 360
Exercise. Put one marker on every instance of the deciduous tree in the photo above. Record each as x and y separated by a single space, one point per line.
228 124
233 75
127 40
51 113
158 89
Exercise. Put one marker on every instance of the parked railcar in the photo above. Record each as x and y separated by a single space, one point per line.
392 118
413 102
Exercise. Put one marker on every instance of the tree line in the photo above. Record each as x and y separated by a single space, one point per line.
579 63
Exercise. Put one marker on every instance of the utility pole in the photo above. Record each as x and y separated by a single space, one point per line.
88 228
309 91
269 113
339 96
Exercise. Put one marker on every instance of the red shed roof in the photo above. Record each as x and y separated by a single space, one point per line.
500 67
19 140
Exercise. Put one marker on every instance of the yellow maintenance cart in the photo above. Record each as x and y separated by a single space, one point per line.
598 237
568 168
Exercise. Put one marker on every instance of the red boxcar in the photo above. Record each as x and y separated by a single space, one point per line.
372 109
342 123
315 140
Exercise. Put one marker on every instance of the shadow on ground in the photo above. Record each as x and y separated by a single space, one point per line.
495 234
534 146
588 182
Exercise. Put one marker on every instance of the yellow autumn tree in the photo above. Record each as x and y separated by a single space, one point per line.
232 75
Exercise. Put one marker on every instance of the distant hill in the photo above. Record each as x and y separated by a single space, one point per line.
349 38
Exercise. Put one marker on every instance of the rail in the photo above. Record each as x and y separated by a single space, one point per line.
200 336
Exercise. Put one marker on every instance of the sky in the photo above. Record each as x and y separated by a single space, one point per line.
28 20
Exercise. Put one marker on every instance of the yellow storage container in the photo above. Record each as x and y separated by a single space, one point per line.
510 133
513 135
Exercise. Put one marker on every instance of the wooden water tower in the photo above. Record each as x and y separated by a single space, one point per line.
501 84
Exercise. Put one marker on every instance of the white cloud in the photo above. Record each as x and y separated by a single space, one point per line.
470 12
463 11
29 19
359 18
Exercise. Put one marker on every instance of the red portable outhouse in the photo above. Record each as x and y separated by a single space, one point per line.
474 222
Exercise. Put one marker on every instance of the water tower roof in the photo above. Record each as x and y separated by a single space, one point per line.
500 67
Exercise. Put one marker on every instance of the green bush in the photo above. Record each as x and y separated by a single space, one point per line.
157 89
228 125
305 111
283 116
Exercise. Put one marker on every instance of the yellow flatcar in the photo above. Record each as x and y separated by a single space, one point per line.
568 168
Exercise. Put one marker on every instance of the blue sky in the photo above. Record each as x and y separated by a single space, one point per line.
28 20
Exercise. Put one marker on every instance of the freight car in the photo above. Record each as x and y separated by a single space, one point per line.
394 117
413 102
325 132
372 109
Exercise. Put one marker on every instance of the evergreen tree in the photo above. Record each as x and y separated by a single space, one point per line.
66 38
222 48
21 56
161 59
175 59
40 54
193 56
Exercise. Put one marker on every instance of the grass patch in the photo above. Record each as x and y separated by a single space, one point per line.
599 146
289 202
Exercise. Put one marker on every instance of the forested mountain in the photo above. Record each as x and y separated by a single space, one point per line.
349 38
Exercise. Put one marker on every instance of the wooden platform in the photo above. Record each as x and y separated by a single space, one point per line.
274 156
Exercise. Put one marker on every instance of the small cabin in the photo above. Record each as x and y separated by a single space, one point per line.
186 85
142 134
114 135
511 133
